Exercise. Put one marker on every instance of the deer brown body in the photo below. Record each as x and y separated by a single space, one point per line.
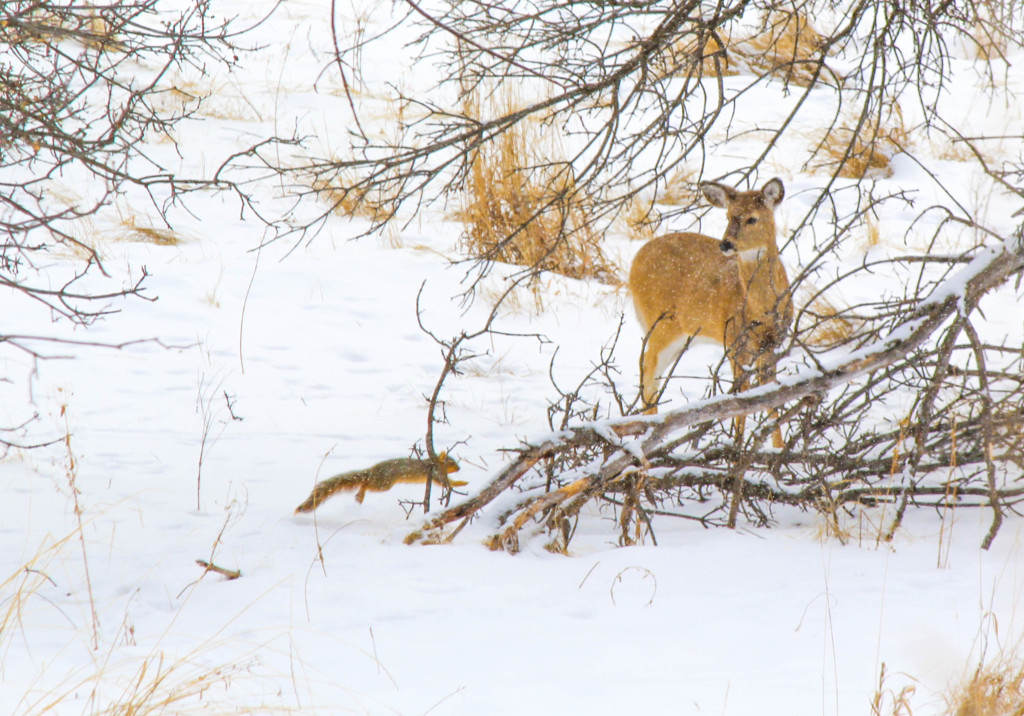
733 291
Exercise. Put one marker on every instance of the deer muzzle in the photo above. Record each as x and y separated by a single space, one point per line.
728 243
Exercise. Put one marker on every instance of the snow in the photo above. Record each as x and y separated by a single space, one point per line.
282 366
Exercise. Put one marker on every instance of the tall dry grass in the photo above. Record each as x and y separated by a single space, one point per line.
788 47
20 586
886 701
521 205
993 690
996 28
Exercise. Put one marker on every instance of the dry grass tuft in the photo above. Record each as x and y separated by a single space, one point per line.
188 95
640 219
158 686
996 29
888 702
858 153
85 25
515 298
522 207
158 235
351 197
22 583
995 690
711 56
822 324
681 189
789 48
872 235
833 525
150 685
953 150
865 525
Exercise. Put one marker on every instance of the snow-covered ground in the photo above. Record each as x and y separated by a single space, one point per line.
278 367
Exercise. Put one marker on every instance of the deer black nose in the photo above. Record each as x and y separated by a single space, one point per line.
728 247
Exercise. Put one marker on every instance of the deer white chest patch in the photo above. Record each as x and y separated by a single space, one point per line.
751 255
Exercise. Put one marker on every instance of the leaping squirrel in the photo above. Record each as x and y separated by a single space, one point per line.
382 477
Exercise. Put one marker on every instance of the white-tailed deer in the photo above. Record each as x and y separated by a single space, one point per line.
732 291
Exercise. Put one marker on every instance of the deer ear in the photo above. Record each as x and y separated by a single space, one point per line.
773 192
718 194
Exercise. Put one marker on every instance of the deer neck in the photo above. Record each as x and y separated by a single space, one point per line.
756 265
762 280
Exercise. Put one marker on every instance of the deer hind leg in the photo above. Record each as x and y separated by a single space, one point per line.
766 374
650 380
737 429
740 383
777 432
762 362
660 351
649 384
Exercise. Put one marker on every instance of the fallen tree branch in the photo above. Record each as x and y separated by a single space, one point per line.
633 443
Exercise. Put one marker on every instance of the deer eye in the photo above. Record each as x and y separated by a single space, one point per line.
751 220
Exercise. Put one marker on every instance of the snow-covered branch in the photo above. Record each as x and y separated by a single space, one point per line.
669 452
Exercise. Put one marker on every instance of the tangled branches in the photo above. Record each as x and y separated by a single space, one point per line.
896 400
640 94
958 444
83 87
